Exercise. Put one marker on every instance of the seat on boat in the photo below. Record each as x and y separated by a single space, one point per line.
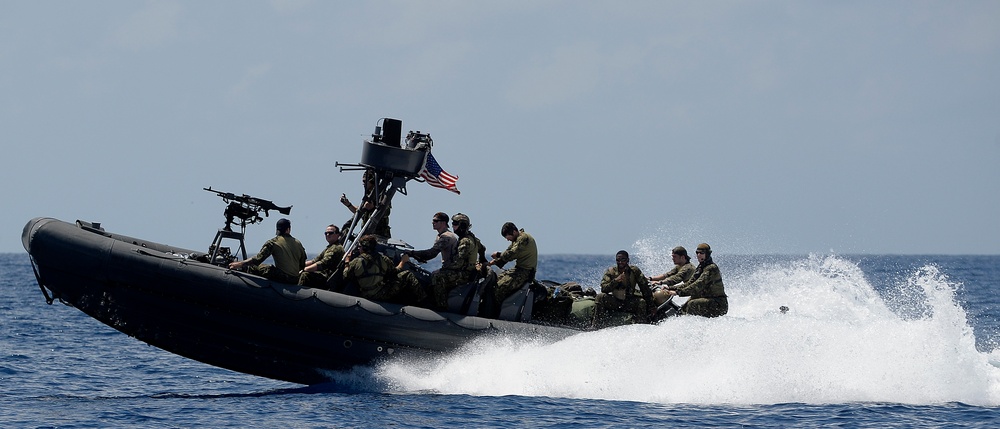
465 299
518 307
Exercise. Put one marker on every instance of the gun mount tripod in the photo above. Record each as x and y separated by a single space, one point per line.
246 210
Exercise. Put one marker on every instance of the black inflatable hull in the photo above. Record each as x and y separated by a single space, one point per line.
234 320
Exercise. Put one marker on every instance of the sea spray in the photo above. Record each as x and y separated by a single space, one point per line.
839 342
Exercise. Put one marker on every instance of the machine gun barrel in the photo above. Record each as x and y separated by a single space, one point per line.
245 209
250 202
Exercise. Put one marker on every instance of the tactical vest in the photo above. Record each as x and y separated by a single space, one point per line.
467 254
373 269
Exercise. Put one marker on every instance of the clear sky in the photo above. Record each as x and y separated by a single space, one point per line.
759 127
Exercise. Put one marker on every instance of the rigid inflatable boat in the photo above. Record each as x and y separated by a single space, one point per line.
190 303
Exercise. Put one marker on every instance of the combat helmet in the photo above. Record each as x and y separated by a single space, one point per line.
460 219
461 223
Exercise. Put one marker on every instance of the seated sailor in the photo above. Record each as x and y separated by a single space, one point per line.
680 273
463 229
288 254
623 289
524 252
446 245
708 295
320 268
378 279
465 266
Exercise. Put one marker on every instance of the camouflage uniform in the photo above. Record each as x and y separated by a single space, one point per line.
289 258
446 244
524 251
379 280
633 300
708 296
463 271
480 251
382 227
468 256
679 274
326 261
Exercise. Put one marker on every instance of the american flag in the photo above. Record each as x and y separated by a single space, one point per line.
437 177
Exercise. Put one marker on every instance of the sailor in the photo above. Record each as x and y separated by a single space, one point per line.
378 279
681 272
469 260
288 254
368 207
320 268
463 228
623 289
524 252
708 295
445 244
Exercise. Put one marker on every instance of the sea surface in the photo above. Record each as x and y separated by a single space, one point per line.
868 341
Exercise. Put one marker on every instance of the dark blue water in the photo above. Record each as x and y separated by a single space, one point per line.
870 341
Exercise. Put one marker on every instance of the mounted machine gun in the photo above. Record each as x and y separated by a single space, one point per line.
243 210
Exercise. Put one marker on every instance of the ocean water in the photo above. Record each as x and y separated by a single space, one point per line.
868 341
